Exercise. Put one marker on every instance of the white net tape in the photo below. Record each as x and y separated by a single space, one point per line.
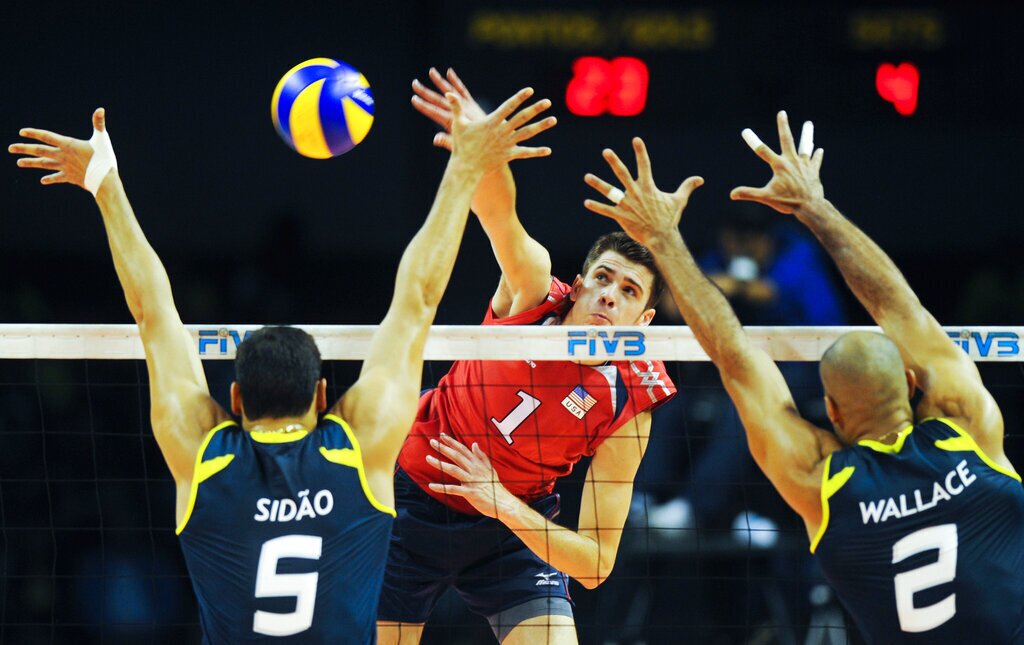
456 342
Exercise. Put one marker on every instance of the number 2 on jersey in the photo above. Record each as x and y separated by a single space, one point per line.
271 584
943 570
515 418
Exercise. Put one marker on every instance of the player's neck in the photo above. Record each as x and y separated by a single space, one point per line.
280 425
883 425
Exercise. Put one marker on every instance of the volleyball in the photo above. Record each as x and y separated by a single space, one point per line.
322 108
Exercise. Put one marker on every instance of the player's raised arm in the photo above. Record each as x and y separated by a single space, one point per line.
949 379
382 403
182 409
525 263
786 447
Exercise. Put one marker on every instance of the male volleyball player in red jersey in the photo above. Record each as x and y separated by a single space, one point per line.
915 516
495 542
262 572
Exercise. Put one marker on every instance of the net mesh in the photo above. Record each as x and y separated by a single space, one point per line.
710 552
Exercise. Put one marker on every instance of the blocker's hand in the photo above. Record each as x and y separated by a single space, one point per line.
489 142
435 106
796 171
478 481
642 211
68 158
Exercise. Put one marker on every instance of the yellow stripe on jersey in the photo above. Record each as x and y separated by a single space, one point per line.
278 437
891 448
829 487
353 458
203 471
964 442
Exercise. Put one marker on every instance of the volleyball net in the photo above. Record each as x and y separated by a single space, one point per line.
710 552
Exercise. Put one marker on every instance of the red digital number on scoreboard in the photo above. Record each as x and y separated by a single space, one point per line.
600 86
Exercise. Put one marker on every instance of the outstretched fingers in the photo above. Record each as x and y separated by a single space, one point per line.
521 152
443 140
601 186
526 114
806 147
51 138
55 178
510 105
643 160
689 185
32 149
99 119
607 210
750 194
428 95
440 116
39 162
457 83
817 158
534 129
618 167
785 134
759 147
440 82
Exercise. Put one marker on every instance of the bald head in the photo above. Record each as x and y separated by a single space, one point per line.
864 370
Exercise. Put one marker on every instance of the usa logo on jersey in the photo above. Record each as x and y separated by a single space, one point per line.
579 402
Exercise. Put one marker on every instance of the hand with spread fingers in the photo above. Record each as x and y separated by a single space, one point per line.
479 483
494 140
643 211
433 104
795 181
72 161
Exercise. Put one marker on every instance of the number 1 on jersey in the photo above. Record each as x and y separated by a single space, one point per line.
515 418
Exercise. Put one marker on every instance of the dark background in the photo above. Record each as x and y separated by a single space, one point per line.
252 232
187 90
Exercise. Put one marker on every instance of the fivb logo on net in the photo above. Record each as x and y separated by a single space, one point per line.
600 343
221 340
986 344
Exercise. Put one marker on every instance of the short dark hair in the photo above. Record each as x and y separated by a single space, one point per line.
633 251
277 369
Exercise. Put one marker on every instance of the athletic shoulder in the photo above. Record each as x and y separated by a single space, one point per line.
647 383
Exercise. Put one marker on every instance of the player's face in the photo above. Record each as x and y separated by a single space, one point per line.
614 292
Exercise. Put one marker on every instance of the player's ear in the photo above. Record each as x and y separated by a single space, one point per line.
646 317
577 284
832 410
911 382
236 400
321 395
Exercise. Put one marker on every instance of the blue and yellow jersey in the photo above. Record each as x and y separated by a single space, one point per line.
923 539
283 538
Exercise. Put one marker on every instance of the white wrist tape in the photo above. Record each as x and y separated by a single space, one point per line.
102 162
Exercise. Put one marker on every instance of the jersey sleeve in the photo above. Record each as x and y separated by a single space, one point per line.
643 386
555 304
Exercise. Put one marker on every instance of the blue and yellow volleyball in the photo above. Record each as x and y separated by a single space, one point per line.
322 108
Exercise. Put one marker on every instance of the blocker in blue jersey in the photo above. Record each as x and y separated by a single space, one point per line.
285 519
932 526
918 524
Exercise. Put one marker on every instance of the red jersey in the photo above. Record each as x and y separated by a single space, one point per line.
534 420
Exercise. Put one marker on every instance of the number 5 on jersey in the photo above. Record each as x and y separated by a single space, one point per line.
271 584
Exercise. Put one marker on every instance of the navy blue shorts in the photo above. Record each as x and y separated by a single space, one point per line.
434 547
